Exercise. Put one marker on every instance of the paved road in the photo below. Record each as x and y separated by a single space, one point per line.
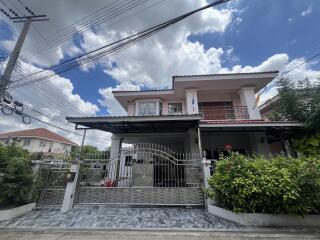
154 235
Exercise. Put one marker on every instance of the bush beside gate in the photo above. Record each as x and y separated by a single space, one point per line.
281 185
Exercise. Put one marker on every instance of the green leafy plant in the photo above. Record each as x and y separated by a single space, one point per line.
308 145
280 185
17 182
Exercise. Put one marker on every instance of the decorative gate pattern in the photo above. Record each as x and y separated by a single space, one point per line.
145 174
52 176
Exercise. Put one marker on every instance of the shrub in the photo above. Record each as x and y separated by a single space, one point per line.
280 185
16 177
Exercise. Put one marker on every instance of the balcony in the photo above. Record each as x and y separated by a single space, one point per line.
224 113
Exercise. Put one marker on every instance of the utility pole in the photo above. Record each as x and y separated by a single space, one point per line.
82 143
5 80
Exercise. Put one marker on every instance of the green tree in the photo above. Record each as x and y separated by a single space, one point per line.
300 102
88 151
17 182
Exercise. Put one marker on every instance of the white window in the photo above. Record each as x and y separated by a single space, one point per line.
175 108
43 143
148 108
26 142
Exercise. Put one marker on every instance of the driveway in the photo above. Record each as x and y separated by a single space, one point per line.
120 218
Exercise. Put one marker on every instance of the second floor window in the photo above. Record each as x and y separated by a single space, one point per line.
175 108
147 108
43 143
26 142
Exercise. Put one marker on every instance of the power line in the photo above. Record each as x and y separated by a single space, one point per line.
88 57
103 16
61 128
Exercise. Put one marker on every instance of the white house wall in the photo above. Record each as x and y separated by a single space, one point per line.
34 145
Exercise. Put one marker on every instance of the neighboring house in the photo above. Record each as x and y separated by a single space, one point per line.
277 145
38 140
267 107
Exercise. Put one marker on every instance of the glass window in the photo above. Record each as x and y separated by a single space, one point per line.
148 108
26 142
175 108
43 143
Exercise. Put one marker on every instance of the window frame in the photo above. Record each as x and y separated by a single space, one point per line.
177 113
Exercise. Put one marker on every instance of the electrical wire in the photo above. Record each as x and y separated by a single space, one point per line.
94 55
79 27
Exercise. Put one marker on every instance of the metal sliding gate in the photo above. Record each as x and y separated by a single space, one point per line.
52 180
145 174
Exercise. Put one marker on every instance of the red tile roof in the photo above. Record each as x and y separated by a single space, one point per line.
38 133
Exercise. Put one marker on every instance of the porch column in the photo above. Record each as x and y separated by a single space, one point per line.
247 97
260 144
72 180
205 164
116 142
192 101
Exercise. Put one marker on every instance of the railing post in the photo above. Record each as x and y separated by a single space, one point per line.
72 179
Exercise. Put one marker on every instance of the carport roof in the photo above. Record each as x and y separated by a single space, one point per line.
138 124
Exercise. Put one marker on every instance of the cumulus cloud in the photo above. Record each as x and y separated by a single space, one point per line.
306 12
51 102
108 100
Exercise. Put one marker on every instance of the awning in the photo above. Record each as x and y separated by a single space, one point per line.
274 130
138 124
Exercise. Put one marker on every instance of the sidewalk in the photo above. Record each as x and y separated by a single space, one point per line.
154 235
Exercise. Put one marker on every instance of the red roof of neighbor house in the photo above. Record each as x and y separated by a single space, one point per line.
38 133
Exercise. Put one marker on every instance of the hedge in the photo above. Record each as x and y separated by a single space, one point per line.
280 185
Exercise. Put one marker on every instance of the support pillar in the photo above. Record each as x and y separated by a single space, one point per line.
69 194
247 97
116 142
260 144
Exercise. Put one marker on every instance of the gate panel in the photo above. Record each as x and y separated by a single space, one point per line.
52 176
146 174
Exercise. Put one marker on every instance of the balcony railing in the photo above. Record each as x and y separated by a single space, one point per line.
224 113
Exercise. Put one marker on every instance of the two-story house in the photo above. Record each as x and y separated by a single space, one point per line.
38 140
199 113
220 109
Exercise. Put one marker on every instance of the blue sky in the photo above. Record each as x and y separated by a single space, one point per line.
266 28
252 35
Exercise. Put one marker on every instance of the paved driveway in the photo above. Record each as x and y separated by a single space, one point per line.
120 218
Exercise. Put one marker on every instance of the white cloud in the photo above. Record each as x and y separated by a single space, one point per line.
108 100
54 98
306 12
